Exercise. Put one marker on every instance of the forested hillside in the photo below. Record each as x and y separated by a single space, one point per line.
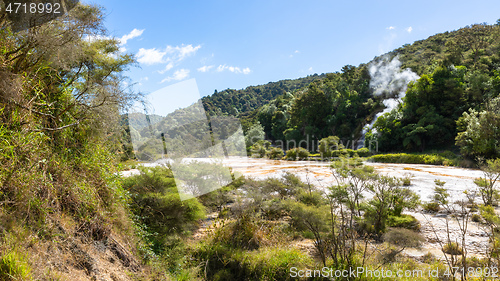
237 102
454 103
456 99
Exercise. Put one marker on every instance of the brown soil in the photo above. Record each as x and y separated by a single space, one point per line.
73 256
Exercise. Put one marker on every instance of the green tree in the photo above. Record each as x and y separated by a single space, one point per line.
329 144
378 210
254 134
486 185
479 132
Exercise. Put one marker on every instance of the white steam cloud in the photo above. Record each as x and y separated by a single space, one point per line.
389 81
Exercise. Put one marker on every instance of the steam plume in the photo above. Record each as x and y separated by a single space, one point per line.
389 81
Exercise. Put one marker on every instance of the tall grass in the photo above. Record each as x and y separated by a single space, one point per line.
14 266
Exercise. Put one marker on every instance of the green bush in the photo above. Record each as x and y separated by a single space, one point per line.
404 221
432 207
290 154
452 248
275 153
406 180
347 152
476 218
260 148
297 153
302 153
343 153
363 152
428 258
157 205
274 263
328 145
431 159
274 209
403 237
314 198
267 263
244 233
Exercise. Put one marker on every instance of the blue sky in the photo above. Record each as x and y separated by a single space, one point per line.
235 44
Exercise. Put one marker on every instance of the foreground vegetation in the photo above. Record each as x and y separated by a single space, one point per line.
270 229
61 201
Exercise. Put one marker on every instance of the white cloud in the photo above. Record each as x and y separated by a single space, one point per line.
233 69
168 55
409 29
150 56
133 34
178 75
205 68
310 68
390 28
296 52
169 66
181 52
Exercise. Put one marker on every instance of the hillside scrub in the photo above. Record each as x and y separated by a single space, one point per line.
59 111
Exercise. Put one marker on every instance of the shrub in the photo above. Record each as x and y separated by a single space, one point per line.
297 153
274 209
406 180
432 207
347 152
328 145
428 258
431 159
452 248
311 198
302 153
275 153
403 237
476 218
404 221
448 154
244 233
291 154
260 148
340 153
157 205
274 263
363 152
267 263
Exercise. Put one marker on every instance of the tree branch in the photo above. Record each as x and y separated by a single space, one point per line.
57 129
